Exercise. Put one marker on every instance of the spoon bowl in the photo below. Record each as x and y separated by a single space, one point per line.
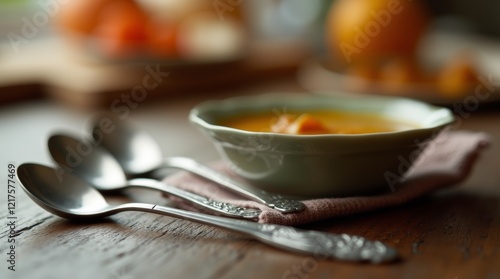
135 150
61 194
70 197
95 165
100 169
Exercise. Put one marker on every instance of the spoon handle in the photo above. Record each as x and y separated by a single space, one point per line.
277 202
321 245
222 208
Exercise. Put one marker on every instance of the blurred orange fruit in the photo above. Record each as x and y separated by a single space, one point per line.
398 73
122 29
360 30
368 70
163 39
80 17
457 77
165 28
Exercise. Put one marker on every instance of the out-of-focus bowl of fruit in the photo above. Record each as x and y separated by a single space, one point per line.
375 47
171 31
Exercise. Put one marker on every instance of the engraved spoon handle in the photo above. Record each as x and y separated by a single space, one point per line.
277 202
321 245
218 207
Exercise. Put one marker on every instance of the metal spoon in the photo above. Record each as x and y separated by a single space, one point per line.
138 153
75 199
99 168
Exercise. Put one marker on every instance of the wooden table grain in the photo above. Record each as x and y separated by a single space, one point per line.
453 234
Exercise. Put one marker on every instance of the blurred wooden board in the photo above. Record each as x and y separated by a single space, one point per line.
49 67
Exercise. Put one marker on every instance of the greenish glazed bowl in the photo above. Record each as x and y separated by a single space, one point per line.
312 166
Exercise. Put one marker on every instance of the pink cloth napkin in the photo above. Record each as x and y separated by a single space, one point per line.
445 162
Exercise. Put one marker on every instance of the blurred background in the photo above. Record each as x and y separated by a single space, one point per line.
88 53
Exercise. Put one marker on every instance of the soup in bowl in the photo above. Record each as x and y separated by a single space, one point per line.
310 146
316 122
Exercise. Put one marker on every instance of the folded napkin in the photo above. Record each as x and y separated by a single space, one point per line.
445 162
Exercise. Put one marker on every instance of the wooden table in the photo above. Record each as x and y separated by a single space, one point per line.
454 234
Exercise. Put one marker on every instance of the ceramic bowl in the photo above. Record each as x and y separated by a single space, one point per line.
313 166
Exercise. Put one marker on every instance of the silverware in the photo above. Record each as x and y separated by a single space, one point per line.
138 153
76 199
100 169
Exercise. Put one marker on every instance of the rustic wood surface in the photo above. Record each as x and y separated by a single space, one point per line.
454 234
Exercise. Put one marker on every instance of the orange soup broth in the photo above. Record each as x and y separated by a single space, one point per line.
336 122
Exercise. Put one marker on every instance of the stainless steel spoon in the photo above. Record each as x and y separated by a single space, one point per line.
75 199
100 169
138 153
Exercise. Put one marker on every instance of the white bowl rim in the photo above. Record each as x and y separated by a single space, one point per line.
446 115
